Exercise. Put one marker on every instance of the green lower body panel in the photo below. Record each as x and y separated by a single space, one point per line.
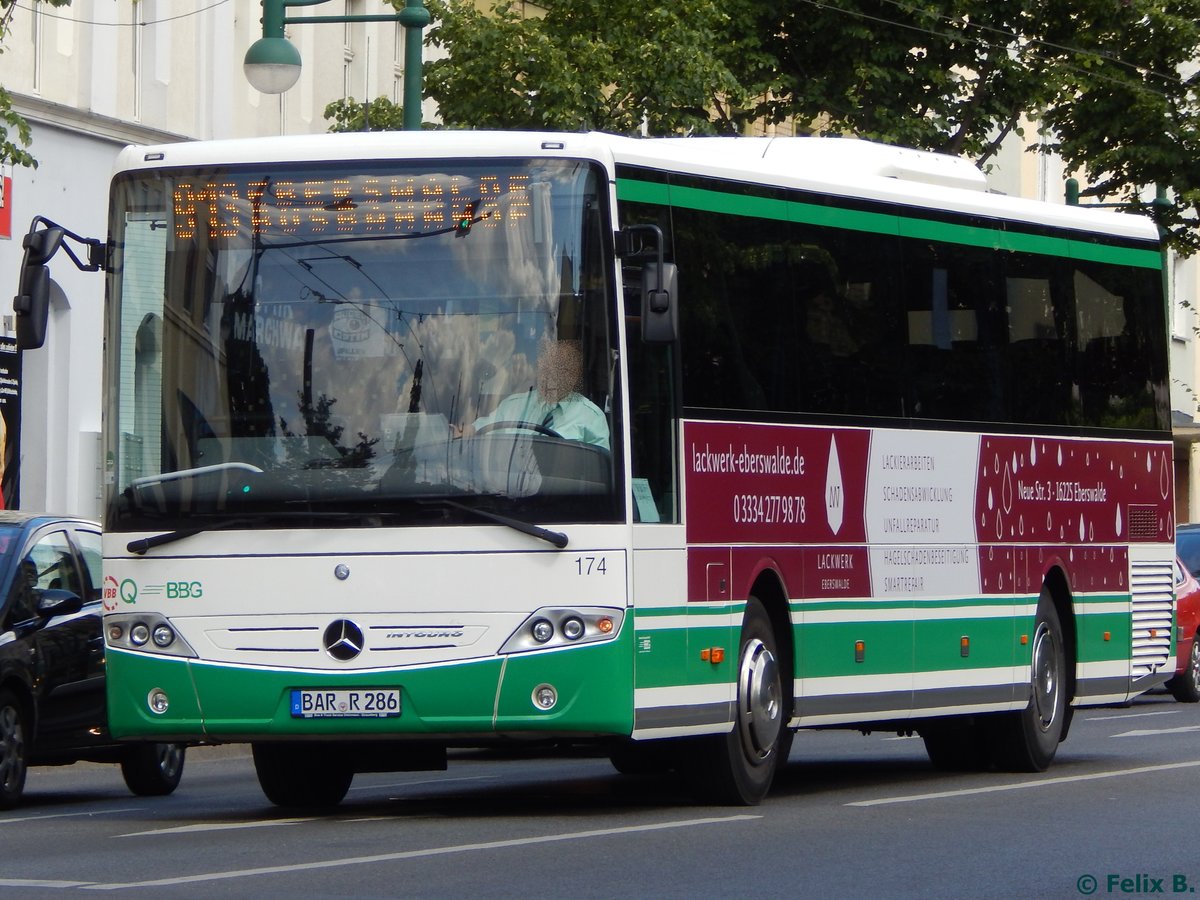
592 684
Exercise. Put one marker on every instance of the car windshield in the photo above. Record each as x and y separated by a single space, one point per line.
10 543
295 342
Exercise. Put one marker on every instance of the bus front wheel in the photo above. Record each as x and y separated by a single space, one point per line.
738 767
1026 741
300 775
153 770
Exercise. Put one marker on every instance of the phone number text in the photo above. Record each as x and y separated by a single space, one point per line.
768 509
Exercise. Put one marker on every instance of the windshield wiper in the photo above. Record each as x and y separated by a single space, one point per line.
141 545
557 538
181 474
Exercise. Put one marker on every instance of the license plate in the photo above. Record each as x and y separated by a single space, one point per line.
361 703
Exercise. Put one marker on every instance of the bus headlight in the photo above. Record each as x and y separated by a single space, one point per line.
552 627
144 632
573 628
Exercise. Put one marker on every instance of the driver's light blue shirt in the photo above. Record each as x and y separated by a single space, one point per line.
573 418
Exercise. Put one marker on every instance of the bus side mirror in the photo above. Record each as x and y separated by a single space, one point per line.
660 303
660 299
32 302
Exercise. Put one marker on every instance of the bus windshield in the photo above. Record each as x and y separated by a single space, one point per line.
411 343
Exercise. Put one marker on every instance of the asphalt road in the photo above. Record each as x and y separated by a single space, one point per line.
851 816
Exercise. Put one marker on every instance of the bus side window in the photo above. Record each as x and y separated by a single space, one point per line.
653 396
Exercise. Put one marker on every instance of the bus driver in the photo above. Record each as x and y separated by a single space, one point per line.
556 404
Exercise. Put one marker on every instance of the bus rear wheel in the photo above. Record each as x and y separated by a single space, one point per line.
1026 741
738 767
300 775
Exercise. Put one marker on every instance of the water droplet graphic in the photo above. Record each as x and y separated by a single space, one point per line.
834 502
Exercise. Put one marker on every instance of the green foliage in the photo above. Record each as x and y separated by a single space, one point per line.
382 115
14 130
616 65
1102 77
1127 115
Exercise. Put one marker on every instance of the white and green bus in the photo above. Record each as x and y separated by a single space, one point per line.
418 441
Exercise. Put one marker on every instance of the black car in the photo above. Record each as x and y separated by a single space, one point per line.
52 700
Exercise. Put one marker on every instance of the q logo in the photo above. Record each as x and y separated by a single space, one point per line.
129 590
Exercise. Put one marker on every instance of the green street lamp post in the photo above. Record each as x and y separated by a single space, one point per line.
272 64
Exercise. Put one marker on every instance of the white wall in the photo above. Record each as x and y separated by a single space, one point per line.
60 402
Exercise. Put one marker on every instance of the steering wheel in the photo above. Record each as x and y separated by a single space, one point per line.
519 426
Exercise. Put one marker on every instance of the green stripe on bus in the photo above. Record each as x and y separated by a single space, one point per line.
635 191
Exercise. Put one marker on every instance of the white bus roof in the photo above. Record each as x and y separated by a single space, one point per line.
844 167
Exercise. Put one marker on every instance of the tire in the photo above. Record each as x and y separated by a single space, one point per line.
737 768
1026 741
1185 686
644 757
300 775
14 758
958 746
153 770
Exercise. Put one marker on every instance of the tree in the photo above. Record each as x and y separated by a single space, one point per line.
382 115
1127 115
13 152
1101 77
617 65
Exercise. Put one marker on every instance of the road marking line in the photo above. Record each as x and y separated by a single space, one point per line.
40 882
106 812
1164 712
1021 785
417 854
421 782
215 826
1146 732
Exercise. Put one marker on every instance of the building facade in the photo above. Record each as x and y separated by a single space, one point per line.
95 76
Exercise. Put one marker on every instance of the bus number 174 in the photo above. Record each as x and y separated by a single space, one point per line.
590 565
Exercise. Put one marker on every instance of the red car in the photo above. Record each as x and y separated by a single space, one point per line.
1186 683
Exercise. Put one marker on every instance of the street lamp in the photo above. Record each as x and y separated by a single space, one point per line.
272 64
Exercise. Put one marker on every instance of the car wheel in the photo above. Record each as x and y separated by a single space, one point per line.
643 757
13 759
153 770
302 775
1186 685
958 746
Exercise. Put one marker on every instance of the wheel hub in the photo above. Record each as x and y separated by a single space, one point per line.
760 699
1047 682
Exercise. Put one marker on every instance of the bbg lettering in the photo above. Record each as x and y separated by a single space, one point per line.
184 590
